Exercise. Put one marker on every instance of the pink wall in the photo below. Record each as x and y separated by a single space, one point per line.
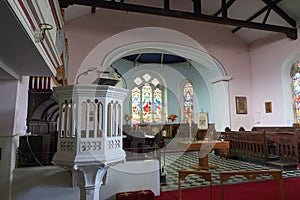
86 32
268 60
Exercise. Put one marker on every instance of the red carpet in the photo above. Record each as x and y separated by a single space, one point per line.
262 190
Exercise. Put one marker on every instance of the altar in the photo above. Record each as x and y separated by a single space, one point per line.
204 147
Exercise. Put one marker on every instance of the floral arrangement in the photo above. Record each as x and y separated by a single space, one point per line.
172 117
128 117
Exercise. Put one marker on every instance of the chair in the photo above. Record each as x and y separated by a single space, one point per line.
138 142
251 175
183 173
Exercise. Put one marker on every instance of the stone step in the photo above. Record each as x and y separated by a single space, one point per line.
282 165
273 158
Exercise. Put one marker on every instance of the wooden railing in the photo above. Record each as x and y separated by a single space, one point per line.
252 175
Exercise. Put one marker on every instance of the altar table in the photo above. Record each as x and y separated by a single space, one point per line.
204 147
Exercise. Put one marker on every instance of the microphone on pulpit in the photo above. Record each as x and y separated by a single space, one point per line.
87 72
116 71
119 75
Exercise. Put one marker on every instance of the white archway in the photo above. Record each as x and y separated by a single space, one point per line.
213 73
172 42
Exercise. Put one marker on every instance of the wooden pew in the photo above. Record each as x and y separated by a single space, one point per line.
277 147
287 149
248 145
283 144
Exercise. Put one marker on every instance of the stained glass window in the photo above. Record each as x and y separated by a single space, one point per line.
147 100
296 84
147 103
136 105
157 110
188 102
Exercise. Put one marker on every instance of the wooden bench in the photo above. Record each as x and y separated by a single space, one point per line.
251 175
204 174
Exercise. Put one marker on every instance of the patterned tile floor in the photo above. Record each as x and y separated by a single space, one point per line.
172 162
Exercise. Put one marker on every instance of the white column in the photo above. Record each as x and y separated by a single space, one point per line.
221 114
89 180
8 145
13 111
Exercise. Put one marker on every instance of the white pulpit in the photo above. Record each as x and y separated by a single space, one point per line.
90 133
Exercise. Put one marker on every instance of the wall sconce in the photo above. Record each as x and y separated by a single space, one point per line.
41 31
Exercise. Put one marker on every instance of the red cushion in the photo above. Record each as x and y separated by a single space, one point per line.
126 196
145 195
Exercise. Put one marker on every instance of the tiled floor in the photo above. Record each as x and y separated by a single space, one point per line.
172 162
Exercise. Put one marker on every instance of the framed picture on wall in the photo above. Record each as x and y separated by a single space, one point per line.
241 105
268 107
202 121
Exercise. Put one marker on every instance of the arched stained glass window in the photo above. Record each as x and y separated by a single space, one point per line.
136 105
296 84
147 100
188 101
147 103
157 109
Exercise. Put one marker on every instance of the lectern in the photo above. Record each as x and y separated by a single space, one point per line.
90 133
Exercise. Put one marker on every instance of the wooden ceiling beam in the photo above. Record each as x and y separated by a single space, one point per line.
267 15
224 9
228 4
290 32
280 12
167 4
197 7
255 15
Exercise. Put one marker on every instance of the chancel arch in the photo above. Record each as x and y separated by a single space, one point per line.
211 94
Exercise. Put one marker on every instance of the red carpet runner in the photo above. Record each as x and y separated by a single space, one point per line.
262 190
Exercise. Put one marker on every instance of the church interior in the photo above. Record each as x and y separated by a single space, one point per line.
141 100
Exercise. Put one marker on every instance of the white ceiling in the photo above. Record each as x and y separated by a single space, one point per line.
240 9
